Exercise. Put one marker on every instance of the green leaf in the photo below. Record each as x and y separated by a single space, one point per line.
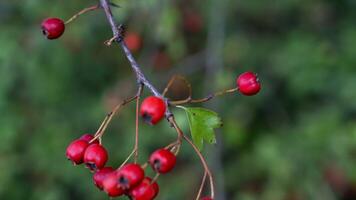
202 123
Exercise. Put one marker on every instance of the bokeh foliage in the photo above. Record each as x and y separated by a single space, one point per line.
295 140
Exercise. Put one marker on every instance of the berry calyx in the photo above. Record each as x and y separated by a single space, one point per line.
162 161
88 137
206 198
248 83
52 28
129 176
153 109
133 41
146 190
75 151
95 157
100 176
110 185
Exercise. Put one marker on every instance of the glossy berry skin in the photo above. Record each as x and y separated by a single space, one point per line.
145 190
95 157
162 161
52 28
206 198
100 175
130 175
110 185
133 41
88 137
75 151
152 109
248 83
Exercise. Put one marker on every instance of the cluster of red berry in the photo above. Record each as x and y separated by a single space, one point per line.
127 180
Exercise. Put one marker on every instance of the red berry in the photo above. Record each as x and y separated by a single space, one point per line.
146 190
88 137
162 161
193 22
53 28
248 84
161 60
133 41
110 185
206 198
153 109
130 175
95 157
100 175
75 151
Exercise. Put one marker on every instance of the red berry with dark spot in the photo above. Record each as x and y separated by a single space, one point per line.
146 190
162 161
75 151
100 176
248 83
88 137
206 198
153 109
52 28
95 157
130 175
110 185
133 41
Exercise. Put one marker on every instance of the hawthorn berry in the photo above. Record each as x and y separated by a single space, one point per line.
133 41
88 137
146 190
162 161
206 198
110 185
153 109
248 83
100 175
193 22
130 175
52 28
95 157
75 151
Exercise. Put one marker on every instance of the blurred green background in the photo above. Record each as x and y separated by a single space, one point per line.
296 140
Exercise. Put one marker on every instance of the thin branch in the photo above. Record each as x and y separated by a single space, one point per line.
209 97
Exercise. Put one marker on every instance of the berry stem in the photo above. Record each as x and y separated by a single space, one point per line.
201 186
139 93
85 10
110 115
172 80
209 97
205 165
202 159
